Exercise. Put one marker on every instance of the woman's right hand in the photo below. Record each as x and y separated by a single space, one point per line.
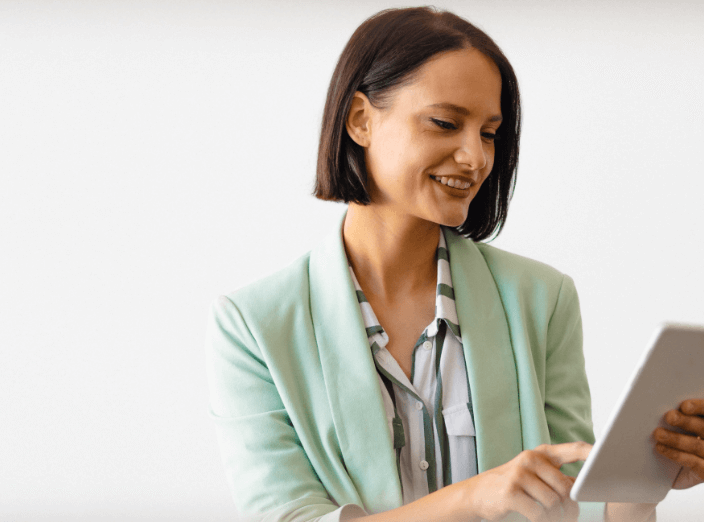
530 484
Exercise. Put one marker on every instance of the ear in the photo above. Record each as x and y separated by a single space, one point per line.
358 121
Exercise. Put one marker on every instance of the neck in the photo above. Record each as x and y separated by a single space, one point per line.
391 254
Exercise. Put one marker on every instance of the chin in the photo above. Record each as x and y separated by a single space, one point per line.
456 223
451 221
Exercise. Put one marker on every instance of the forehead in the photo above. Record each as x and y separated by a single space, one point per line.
464 77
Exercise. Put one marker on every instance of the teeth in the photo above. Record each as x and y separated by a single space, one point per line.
453 182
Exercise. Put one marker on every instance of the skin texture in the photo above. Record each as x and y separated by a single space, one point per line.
530 484
391 243
391 246
685 449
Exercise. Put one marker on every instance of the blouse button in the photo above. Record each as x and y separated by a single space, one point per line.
419 405
428 345
423 465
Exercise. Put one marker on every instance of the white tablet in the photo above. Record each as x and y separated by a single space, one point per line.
623 465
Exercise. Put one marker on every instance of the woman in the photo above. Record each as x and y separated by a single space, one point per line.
401 371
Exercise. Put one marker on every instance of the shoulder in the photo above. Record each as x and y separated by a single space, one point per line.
524 281
511 268
280 295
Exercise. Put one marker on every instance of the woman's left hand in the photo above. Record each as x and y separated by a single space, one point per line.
685 449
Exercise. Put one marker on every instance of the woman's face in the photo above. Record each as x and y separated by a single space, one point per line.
437 132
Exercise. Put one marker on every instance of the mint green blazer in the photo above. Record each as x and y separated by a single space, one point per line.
294 391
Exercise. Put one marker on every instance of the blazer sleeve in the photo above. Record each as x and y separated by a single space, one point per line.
267 470
567 396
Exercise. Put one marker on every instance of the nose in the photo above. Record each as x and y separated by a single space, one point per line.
472 151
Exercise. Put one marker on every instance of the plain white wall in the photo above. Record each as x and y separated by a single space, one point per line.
148 147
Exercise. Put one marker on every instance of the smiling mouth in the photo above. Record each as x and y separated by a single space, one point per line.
455 183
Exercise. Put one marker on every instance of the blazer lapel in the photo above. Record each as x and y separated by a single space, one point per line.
351 377
491 366
352 384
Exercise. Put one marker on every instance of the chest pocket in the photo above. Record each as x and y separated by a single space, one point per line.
458 421
461 436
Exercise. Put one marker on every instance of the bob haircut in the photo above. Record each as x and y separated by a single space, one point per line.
384 54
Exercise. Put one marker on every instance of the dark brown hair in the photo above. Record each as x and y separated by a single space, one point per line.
384 54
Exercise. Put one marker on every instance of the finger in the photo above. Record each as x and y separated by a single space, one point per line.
680 441
571 509
529 508
568 511
546 471
696 464
692 407
691 423
554 514
566 452
540 492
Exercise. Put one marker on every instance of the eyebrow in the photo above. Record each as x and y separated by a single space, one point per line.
461 110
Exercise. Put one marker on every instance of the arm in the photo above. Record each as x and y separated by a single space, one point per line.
267 469
567 396
530 485
568 400
271 477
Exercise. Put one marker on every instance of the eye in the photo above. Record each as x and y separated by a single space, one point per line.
444 124
490 136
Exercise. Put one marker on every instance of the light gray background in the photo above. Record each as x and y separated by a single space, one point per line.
155 155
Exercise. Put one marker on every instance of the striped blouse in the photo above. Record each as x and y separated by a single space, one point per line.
430 417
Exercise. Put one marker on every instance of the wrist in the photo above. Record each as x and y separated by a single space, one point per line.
459 501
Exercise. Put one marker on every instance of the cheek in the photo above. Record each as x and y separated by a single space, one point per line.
426 156
489 162
405 163
389 156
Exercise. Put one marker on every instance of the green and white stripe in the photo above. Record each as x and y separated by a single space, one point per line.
430 418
